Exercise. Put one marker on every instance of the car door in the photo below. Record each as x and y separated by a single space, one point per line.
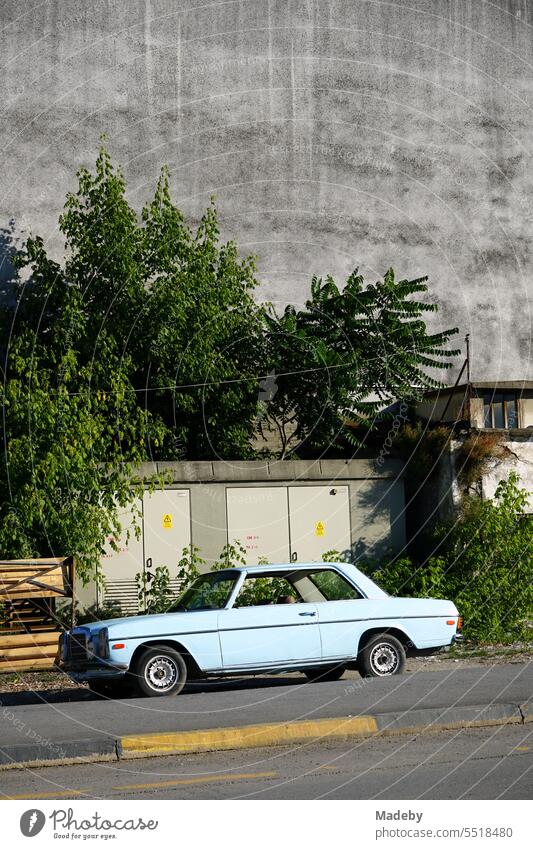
269 635
341 624
342 614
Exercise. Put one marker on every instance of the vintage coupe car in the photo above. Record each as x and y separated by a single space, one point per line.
328 616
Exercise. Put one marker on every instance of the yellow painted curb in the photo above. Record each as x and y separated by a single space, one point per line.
247 736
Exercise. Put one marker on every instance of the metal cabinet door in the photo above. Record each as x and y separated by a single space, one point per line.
268 635
118 568
257 518
319 521
167 526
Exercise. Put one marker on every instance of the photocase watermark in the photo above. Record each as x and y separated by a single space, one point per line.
32 822
65 824
31 734
356 685
399 418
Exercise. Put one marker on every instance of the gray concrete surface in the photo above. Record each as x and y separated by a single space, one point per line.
333 134
486 763
57 725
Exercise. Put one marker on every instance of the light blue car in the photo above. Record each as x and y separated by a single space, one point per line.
314 618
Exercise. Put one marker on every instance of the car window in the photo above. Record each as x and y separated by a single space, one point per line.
208 592
266 590
333 586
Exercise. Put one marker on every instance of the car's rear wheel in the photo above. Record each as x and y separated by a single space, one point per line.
381 656
325 673
159 671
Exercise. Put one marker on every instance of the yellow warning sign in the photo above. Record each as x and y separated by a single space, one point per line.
167 521
320 529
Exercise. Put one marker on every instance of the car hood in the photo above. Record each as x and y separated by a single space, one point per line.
155 623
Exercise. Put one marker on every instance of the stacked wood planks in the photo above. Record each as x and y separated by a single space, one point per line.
28 630
27 652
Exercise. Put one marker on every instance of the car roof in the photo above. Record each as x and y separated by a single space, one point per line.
362 581
283 567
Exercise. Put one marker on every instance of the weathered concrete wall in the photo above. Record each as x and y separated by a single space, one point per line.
520 460
334 133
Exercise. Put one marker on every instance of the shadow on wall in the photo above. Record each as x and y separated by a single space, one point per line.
11 241
382 503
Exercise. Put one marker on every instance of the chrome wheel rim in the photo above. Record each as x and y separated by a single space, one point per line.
161 673
384 659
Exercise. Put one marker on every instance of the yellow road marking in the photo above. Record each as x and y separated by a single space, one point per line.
521 749
55 795
197 780
265 734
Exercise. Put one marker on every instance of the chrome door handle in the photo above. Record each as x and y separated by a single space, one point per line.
305 613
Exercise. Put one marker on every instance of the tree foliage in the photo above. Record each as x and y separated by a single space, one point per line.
146 343
71 427
348 354
88 348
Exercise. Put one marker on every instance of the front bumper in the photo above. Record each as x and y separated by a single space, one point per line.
95 668
98 666
108 673
81 663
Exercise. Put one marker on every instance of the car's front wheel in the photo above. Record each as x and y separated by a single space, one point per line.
159 671
382 655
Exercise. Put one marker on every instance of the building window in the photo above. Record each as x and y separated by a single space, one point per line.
501 409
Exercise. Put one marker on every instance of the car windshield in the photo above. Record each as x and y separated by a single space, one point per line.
208 592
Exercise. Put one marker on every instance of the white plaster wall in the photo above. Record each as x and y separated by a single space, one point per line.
520 460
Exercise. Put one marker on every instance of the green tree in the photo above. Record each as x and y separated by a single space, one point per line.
347 355
146 343
202 333
67 454
136 303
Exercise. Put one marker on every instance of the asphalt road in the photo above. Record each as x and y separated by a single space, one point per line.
268 699
483 763
263 699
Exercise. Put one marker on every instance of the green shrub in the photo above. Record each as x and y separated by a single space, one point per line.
484 563
404 578
422 448
153 589
94 613
490 564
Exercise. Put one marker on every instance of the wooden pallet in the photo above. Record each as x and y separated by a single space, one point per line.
42 578
28 630
28 652
28 614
